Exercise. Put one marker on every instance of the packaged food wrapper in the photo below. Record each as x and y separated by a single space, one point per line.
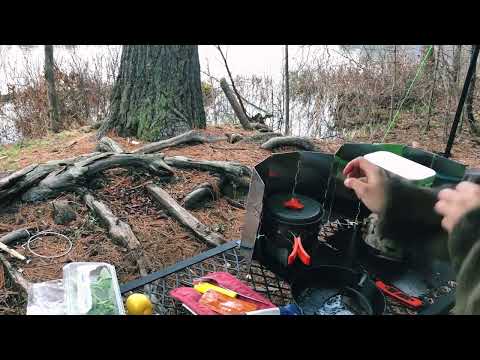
92 289
224 304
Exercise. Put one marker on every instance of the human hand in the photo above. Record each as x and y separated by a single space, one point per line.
453 204
368 182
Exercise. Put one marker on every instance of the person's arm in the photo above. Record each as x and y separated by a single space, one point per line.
406 212
408 217
464 247
460 208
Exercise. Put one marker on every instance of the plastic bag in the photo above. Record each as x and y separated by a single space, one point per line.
224 304
92 289
46 298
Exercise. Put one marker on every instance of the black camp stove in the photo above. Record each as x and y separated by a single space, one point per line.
309 174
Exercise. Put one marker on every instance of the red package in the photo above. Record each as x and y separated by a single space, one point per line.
225 305
191 297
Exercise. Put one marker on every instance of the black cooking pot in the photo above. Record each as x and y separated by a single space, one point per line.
282 224
316 286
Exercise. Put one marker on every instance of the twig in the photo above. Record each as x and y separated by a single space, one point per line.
231 80
224 148
234 203
139 186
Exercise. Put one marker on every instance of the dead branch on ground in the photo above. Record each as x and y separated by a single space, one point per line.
184 217
300 142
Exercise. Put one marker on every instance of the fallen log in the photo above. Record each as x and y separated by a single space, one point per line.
16 277
70 177
120 232
237 109
193 136
204 192
261 137
105 144
300 142
184 217
233 138
16 235
261 127
29 176
228 168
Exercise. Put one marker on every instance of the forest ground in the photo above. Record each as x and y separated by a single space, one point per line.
163 239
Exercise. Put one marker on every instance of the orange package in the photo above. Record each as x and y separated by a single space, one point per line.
224 304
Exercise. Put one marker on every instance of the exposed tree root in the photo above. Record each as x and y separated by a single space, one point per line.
183 216
300 142
192 136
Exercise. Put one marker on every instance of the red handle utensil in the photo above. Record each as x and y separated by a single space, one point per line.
299 251
293 204
399 295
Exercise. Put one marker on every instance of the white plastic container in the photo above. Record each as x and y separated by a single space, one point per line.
402 167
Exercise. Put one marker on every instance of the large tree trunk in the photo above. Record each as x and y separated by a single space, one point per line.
157 93
54 107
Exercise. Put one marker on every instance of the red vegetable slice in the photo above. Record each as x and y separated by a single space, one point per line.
293 204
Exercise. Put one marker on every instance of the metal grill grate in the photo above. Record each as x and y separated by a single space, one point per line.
227 258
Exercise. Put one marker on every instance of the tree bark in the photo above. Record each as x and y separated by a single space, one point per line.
54 107
300 142
120 232
157 93
16 235
184 217
16 277
261 138
239 113
236 172
106 144
56 179
188 137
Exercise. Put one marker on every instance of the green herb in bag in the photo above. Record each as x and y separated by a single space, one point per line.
103 295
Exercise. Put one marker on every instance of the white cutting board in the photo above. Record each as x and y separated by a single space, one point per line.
400 166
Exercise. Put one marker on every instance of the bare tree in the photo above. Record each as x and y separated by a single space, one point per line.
287 94
54 107
469 100
394 80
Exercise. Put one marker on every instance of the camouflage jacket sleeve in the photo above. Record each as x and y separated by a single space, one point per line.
409 218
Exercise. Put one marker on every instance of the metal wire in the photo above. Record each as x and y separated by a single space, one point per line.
49 233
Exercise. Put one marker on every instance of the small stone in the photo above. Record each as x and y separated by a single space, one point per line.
63 212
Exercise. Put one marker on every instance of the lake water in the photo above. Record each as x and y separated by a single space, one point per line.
245 60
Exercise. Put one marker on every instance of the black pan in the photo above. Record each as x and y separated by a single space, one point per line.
321 284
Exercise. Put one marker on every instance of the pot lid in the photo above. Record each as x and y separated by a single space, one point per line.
311 211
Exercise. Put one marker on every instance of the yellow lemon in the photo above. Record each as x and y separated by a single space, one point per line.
139 304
